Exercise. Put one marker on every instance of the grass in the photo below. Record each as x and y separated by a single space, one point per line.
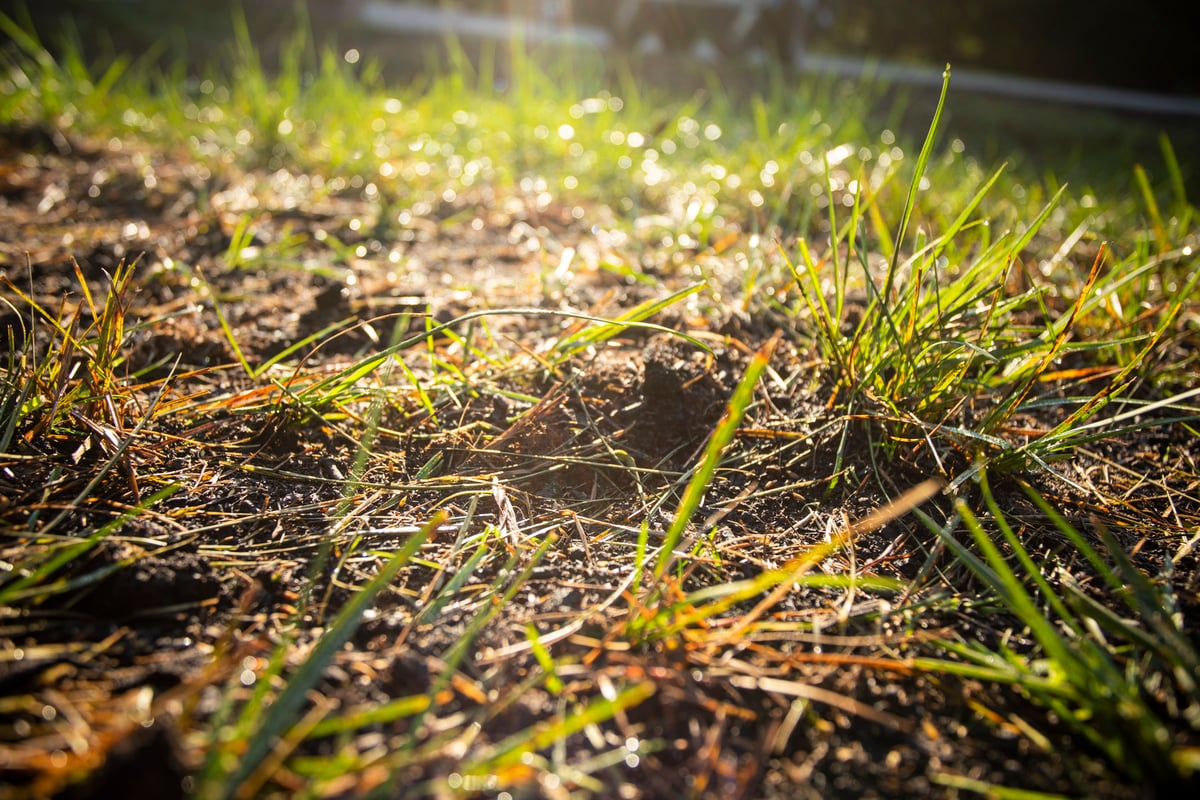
901 424
1084 674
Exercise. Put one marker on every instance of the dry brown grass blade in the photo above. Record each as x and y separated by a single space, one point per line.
799 566
1047 361
807 691
534 431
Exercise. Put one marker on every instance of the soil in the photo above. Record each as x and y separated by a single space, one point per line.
108 682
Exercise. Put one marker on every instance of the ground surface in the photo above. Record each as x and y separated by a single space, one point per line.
544 449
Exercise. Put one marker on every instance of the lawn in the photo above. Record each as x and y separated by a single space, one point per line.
526 430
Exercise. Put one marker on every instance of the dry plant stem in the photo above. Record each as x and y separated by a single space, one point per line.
799 566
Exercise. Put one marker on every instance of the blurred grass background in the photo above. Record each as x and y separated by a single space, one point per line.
1145 47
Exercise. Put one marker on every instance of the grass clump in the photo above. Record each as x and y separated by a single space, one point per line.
581 441
1119 677
945 356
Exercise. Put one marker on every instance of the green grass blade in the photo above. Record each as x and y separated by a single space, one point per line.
743 395
510 751
286 708
1183 208
911 201
332 386
33 585
226 328
460 577
1156 219
400 708
1012 591
603 331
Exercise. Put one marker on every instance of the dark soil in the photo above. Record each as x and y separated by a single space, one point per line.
108 683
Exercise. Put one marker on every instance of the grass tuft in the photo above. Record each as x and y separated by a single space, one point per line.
1118 682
